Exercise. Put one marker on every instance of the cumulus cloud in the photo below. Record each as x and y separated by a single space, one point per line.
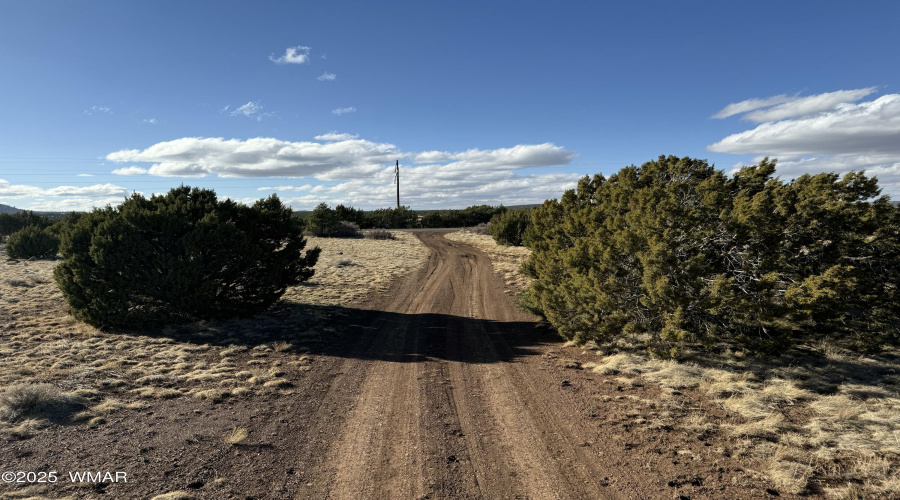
151 121
422 187
344 156
360 172
341 111
24 191
132 170
260 157
839 138
292 55
865 128
326 76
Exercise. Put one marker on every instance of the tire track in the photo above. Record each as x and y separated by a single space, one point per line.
444 410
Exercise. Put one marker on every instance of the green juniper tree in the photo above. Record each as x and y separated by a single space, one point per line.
677 251
180 257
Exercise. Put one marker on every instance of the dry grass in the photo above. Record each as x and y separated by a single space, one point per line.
350 269
844 441
37 401
47 358
506 260
236 436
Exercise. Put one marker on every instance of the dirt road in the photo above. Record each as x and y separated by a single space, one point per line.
438 405
438 388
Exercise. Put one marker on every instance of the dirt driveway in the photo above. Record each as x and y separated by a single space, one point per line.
444 409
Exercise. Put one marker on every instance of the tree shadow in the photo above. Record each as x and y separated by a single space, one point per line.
368 334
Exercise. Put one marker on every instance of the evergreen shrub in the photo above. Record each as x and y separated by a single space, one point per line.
180 257
508 228
677 252
32 241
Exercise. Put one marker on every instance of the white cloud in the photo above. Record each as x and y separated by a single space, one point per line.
305 187
18 191
345 157
259 157
85 175
808 105
252 109
341 111
130 171
360 172
847 137
75 204
782 106
422 189
292 55
24 191
335 136
94 191
326 76
736 108
521 156
865 128
151 121
98 110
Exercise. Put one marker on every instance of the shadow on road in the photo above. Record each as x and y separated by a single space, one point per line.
370 334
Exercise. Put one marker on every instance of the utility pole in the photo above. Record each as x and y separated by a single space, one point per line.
397 181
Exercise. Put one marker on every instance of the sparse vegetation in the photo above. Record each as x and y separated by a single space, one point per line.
821 418
379 234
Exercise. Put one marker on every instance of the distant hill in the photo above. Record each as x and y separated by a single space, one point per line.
6 209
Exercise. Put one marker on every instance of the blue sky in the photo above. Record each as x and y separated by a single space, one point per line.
482 102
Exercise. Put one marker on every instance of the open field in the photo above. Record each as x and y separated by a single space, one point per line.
405 370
